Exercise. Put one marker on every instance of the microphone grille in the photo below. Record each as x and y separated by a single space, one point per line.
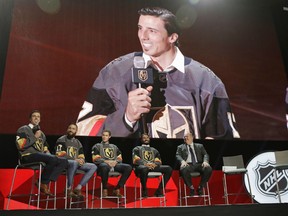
139 62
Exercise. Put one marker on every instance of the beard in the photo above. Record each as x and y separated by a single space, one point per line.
71 135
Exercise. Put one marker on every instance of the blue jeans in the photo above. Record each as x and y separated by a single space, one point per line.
73 166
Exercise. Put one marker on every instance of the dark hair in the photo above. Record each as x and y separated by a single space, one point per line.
72 123
106 130
190 133
33 111
144 134
170 20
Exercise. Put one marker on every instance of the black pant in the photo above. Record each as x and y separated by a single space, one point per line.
54 165
124 169
142 171
204 171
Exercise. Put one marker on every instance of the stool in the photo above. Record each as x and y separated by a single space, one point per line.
281 166
234 165
206 192
37 168
151 175
112 174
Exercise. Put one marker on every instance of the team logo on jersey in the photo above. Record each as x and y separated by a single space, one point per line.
72 152
39 145
148 156
266 181
142 75
109 153
172 122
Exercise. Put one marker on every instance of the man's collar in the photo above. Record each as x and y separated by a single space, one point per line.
70 137
146 145
177 63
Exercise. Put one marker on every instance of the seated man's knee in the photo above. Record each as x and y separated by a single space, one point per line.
93 167
73 163
104 168
129 168
207 169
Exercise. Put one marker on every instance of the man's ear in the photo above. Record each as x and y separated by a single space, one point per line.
173 38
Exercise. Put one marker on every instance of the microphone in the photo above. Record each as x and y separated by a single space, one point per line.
141 75
35 128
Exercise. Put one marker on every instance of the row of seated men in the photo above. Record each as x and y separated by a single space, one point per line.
69 155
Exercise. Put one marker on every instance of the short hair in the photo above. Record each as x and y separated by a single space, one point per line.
108 131
190 133
73 123
170 20
33 111
144 134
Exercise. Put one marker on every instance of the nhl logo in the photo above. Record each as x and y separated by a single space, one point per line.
265 178
142 75
262 175
266 181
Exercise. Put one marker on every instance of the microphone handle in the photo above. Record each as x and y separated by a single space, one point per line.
143 119
143 123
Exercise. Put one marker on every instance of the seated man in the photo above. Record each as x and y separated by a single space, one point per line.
147 159
69 147
108 157
193 157
33 147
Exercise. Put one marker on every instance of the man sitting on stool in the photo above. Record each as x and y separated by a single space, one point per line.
33 147
147 159
108 157
193 157
69 147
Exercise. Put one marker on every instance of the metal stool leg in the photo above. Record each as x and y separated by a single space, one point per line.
11 188
225 189
250 189
93 192
277 187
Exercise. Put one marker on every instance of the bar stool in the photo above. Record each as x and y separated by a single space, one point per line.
234 165
37 168
281 166
151 175
120 200
206 192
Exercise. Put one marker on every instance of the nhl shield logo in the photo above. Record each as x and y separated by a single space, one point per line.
142 75
262 176
266 181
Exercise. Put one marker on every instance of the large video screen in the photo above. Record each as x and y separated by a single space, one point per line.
74 60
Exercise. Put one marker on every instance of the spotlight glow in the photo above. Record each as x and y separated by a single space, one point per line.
186 16
49 6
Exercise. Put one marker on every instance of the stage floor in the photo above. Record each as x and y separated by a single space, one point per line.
218 210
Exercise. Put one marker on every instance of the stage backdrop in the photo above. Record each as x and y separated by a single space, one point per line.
57 48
